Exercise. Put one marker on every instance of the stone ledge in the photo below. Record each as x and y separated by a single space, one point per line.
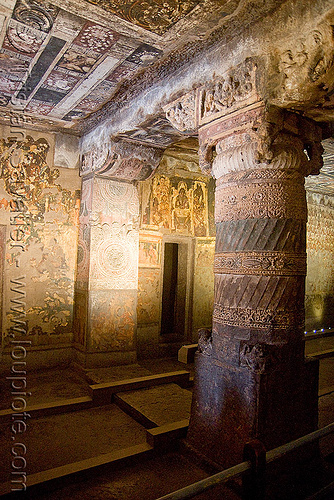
55 407
164 436
187 353
321 354
59 473
104 392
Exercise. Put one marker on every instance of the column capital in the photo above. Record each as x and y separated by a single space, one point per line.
260 136
120 159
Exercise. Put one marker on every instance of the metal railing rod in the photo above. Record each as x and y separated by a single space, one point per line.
209 482
203 485
285 448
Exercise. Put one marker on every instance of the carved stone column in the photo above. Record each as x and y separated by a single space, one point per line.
251 377
105 319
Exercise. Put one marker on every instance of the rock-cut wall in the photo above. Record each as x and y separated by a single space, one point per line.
319 302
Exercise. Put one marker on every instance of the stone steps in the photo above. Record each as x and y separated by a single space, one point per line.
103 393
156 406
49 478
46 418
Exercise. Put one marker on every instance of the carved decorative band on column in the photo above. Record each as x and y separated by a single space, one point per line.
260 263
282 198
257 318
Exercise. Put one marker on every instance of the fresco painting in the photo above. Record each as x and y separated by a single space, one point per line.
319 304
203 284
112 320
181 206
41 211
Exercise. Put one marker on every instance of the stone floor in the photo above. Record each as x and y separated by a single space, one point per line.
145 480
68 437
57 440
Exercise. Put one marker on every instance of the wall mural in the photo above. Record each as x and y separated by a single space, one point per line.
149 285
112 320
107 276
149 277
180 205
40 209
203 284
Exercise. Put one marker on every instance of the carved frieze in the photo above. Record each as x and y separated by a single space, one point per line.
260 263
276 198
234 90
182 113
257 318
97 159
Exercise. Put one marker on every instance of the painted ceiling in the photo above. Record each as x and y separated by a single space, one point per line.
62 60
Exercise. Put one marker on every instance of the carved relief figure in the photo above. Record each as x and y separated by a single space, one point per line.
205 341
306 63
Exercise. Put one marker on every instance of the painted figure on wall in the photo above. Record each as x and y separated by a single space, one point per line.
43 223
181 213
181 206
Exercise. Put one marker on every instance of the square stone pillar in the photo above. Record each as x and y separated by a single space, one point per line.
107 278
105 310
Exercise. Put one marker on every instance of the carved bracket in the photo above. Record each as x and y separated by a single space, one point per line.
121 159
182 113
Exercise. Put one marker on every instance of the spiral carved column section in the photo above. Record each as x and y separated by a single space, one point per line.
251 379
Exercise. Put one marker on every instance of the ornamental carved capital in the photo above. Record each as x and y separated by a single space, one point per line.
260 137
121 159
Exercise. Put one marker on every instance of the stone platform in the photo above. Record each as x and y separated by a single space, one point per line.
156 406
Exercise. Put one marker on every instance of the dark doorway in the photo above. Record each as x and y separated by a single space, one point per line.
169 290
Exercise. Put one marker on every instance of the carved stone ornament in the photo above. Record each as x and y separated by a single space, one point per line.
260 263
257 318
280 198
182 113
121 159
257 358
256 137
205 341
305 68
237 89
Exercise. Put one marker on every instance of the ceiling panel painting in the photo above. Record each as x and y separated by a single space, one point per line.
157 16
62 65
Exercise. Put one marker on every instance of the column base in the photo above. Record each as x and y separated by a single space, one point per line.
232 405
